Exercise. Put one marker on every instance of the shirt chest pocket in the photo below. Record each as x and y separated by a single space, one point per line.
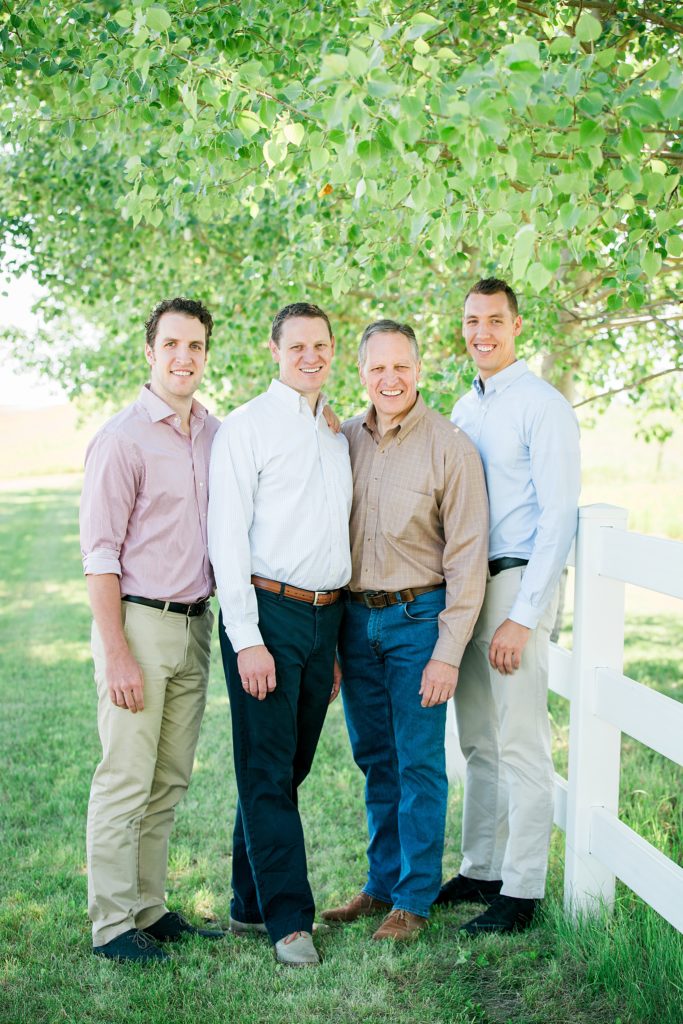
404 513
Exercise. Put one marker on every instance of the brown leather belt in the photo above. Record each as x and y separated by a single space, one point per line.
383 598
317 597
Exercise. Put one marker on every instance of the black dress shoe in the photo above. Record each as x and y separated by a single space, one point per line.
467 890
173 926
506 914
131 945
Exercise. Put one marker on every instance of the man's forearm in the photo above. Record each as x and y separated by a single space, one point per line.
104 592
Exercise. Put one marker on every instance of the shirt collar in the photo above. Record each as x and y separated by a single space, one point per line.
158 410
294 401
502 380
404 427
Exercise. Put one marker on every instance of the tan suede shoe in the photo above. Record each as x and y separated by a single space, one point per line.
400 925
361 905
297 950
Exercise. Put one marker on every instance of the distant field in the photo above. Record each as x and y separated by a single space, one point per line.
647 479
44 442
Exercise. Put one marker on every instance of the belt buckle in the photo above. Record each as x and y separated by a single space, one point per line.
317 594
377 600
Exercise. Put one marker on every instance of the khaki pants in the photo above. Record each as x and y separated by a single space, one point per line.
505 738
146 764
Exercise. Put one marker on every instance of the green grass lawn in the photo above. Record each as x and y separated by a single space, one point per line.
626 968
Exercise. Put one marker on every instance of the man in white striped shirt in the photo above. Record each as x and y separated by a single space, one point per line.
280 497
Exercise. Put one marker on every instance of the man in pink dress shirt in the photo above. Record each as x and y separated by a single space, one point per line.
144 546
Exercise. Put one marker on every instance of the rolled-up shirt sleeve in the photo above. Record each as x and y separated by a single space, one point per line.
113 474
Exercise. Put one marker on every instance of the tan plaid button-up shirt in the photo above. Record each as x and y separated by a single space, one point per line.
420 516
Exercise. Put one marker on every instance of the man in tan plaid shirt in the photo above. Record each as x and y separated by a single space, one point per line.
419 526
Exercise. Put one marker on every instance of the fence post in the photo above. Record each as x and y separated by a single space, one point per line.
594 745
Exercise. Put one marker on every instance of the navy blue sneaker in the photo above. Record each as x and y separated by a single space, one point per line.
132 945
506 914
173 926
467 890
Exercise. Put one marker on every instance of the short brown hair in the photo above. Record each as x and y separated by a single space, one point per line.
492 286
188 307
308 309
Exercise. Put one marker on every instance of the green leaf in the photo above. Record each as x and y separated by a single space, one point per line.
123 18
652 264
539 276
632 140
359 62
334 64
674 245
248 123
158 19
591 134
588 28
189 98
319 158
294 133
561 44
274 153
522 249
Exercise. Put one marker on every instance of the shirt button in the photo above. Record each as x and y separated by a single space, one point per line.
201 483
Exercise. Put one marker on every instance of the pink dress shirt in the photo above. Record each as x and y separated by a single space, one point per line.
145 501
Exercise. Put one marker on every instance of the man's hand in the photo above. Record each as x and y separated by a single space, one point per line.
439 681
336 680
124 680
331 418
505 652
257 670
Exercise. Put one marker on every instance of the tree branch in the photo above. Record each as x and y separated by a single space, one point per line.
628 387
611 8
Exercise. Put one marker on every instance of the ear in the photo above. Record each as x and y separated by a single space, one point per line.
149 355
517 327
418 368
361 374
274 350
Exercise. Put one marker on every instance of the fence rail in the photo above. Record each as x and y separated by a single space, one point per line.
603 704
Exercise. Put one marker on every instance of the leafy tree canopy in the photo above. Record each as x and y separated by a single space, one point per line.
373 156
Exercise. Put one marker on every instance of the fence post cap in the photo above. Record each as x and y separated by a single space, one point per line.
614 514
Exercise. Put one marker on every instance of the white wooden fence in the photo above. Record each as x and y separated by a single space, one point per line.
603 704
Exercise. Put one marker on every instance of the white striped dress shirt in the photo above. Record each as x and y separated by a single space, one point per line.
280 498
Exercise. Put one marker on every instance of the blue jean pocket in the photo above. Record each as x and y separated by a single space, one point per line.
425 607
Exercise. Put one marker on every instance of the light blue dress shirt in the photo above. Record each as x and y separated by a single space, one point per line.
528 439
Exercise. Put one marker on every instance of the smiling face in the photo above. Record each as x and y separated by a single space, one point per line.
489 329
304 354
178 359
390 373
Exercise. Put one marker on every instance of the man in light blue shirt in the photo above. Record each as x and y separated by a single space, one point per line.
528 440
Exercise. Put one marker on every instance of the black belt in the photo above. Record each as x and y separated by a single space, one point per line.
191 610
383 598
500 564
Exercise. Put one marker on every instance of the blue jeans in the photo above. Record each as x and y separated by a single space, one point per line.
398 745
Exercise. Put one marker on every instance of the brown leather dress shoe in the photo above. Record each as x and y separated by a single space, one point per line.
362 905
400 925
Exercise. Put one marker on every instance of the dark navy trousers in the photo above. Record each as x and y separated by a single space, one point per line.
274 743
